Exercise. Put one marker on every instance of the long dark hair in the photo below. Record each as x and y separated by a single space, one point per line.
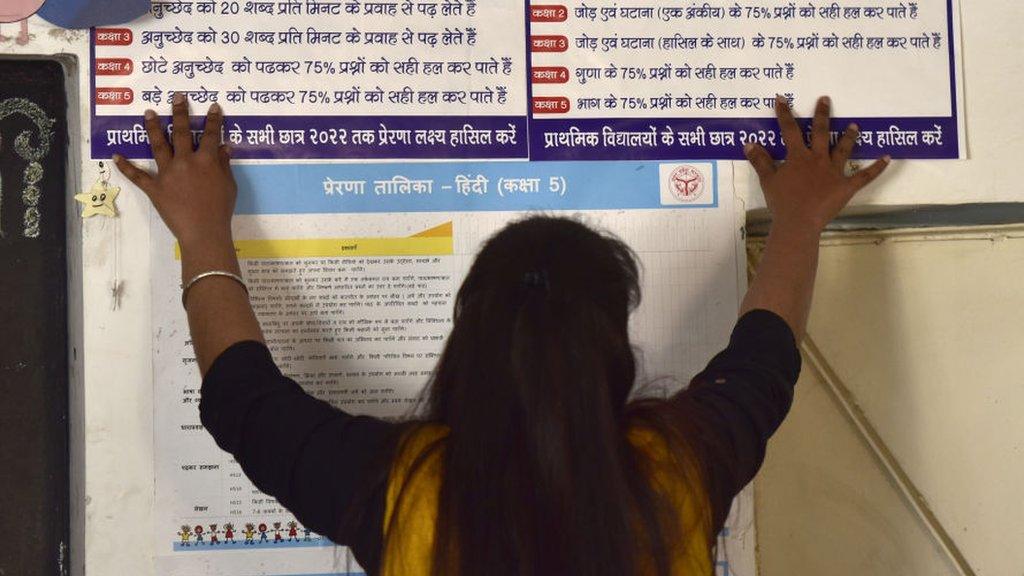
538 475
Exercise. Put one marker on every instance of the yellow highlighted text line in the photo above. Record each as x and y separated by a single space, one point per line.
341 247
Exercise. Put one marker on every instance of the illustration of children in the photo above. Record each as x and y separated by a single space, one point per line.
305 532
185 534
263 532
293 531
249 532
229 533
199 534
277 532
213 535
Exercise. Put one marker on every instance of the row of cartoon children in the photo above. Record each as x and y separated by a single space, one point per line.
200 536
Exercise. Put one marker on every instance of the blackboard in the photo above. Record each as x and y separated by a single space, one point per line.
33 319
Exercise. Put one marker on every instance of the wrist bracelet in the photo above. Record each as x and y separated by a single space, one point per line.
188 285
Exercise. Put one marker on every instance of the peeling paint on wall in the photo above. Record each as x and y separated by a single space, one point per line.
23 36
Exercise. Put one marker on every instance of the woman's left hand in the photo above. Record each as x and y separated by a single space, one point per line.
193 189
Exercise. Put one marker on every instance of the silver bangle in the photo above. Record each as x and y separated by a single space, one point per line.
188 285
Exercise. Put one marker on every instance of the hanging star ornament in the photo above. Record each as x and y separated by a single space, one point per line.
99 200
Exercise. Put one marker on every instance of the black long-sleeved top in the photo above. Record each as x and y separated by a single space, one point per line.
321 462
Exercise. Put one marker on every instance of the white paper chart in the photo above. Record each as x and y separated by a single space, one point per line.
579 80
355 299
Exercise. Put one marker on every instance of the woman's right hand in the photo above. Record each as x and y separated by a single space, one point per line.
810 188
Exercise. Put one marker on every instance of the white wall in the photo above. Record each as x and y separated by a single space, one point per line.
110 360
924 328
824 505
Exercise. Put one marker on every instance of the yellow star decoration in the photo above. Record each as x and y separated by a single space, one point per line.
99 200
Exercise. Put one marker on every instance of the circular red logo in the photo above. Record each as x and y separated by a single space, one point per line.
686 183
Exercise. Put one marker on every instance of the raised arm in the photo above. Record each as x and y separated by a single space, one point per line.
327 467
803 195
745 392
194 192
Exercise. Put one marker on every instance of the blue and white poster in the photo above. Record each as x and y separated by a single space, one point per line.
597 80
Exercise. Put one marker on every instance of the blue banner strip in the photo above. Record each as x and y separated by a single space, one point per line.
250 545
309 137
459 187
509 137
723 138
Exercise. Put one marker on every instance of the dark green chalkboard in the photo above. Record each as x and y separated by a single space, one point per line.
33 319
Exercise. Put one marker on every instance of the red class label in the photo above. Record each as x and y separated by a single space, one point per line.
550 105
113 66
549 43
550 74
116 96
548 13
113 36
